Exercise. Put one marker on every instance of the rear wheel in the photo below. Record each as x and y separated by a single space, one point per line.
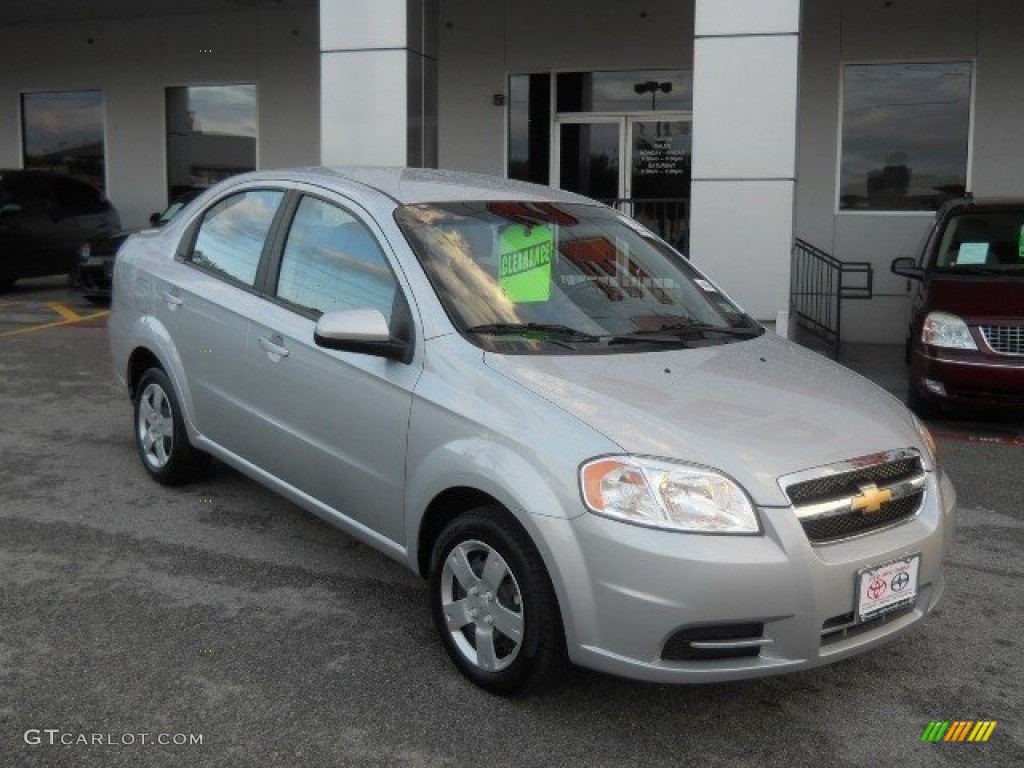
6 283
494 606
160 433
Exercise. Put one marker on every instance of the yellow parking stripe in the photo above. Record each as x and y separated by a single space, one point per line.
64 311
44 326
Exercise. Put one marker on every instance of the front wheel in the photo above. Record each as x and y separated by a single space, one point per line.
494 606
160 433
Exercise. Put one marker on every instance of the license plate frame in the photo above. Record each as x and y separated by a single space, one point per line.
887 586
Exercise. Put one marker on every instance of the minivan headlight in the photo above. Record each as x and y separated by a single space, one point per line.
945 330
666 494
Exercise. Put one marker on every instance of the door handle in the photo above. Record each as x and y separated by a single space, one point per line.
273 345
173 302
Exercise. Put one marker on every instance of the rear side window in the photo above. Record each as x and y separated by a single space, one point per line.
232 234
332 262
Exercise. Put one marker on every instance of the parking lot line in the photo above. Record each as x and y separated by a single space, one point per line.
1017 441
64 311
66 321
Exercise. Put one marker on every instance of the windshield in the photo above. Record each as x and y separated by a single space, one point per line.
985 242
548 278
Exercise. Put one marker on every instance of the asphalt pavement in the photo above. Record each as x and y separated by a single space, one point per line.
239 630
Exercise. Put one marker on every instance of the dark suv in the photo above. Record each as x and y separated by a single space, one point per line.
966 339
45 218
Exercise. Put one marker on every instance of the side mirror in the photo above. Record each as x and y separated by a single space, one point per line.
360 330
907 267
154 219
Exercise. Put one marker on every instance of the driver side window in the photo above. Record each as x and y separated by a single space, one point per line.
331 261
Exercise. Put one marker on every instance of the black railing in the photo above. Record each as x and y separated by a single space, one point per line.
819 283
667 217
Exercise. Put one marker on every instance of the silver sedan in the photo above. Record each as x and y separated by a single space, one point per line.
592 453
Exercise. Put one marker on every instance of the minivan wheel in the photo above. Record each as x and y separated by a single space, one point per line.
160 433
494 606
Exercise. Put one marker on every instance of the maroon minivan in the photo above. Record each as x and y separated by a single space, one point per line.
966 339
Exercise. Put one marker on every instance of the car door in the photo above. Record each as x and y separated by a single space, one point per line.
333 424
206 298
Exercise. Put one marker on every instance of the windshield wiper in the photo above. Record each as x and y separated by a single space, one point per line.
693 326
544 331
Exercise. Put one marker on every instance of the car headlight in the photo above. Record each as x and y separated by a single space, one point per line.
666 494
84 250
944 330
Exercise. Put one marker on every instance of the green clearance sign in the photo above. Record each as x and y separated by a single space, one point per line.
524 263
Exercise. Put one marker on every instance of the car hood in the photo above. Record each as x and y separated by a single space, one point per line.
978 297
756 409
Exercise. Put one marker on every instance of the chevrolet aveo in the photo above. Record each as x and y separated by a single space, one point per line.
532 401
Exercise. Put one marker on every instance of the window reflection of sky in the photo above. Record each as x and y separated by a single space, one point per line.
232 234
909 121
223 109
331 262
61 121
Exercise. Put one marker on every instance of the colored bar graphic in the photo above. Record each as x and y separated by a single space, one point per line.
958 730
935 730
982 730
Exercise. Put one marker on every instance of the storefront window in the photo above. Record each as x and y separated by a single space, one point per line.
529 128
656 90
904 135
211 135
63 131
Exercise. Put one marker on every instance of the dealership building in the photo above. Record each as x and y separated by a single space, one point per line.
735 128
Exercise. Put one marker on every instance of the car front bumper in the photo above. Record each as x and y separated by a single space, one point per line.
970 378
93 279
627 591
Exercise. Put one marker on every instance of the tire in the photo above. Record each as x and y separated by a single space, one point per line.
488 584
160 433
6 283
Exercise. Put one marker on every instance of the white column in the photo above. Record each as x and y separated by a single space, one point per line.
746 55
378 82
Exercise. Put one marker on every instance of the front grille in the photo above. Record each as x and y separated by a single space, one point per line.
1004 339
826 500
848 483
727 641
823 529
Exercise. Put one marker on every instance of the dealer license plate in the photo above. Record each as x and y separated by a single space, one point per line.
886 587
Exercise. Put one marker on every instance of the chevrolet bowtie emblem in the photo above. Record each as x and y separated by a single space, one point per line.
870 500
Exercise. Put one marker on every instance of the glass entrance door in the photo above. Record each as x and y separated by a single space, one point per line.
658 187
590 159
638 165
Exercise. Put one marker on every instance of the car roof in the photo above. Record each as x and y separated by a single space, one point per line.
981 204
407 186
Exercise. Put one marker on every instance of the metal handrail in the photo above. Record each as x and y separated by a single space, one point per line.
818 285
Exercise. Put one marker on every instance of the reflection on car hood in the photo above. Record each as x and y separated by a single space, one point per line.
757 409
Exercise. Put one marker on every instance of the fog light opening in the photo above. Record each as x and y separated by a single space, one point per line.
935 387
